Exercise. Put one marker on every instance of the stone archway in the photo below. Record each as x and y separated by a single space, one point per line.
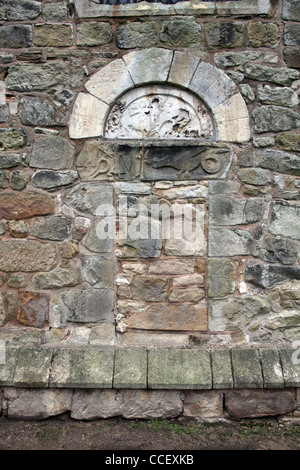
172 69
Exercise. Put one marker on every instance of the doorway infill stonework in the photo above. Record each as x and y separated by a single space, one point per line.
149 121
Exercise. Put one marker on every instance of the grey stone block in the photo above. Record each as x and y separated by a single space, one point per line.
98 244
221 369
99 271
281 96
221 277
179 369
50 179
285 220
268 276
130 404
56 279
10 160
224 34
228 210
32 367
36 77
91 305
7 365
233 59
257 403
256 177
279 161
55 11
13 138
19 180
87 197
274 250
290 10
274 119
229 242
290 367
52 153
279 75
246 366
181 33
136 34
35 111
82 368
271 368
130 368
93 34
20 10
15 36
51 228
37 404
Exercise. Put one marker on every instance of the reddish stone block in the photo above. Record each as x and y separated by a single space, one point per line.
33 309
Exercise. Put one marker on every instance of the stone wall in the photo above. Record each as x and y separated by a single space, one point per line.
110 111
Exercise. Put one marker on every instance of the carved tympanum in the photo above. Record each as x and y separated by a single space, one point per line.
159 112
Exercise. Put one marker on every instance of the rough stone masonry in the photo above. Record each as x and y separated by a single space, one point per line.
150 209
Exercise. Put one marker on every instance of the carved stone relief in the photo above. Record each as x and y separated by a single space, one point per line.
159 112
153 161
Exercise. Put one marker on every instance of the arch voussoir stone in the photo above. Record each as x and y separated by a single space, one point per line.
110 82
149 65
88 117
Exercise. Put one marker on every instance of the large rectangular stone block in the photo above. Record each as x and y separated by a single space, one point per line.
170 317
179 369
32 367
290 367
27 256
7 365
285 220
15 206
221 369
130 368
257 403
229 242
82 368
36 77
271 368
91 305
246 366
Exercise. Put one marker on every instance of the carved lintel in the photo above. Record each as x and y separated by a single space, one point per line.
185 163
111 160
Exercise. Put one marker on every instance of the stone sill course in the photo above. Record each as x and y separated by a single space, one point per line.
138 368
90 9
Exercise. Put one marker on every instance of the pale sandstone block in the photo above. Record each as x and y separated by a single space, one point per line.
88 117
110 82
183 68
149 65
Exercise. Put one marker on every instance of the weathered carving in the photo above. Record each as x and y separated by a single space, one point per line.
158 112
185 162
153 161
97 162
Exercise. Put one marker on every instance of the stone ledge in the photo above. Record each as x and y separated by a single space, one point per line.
138 368
88 9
